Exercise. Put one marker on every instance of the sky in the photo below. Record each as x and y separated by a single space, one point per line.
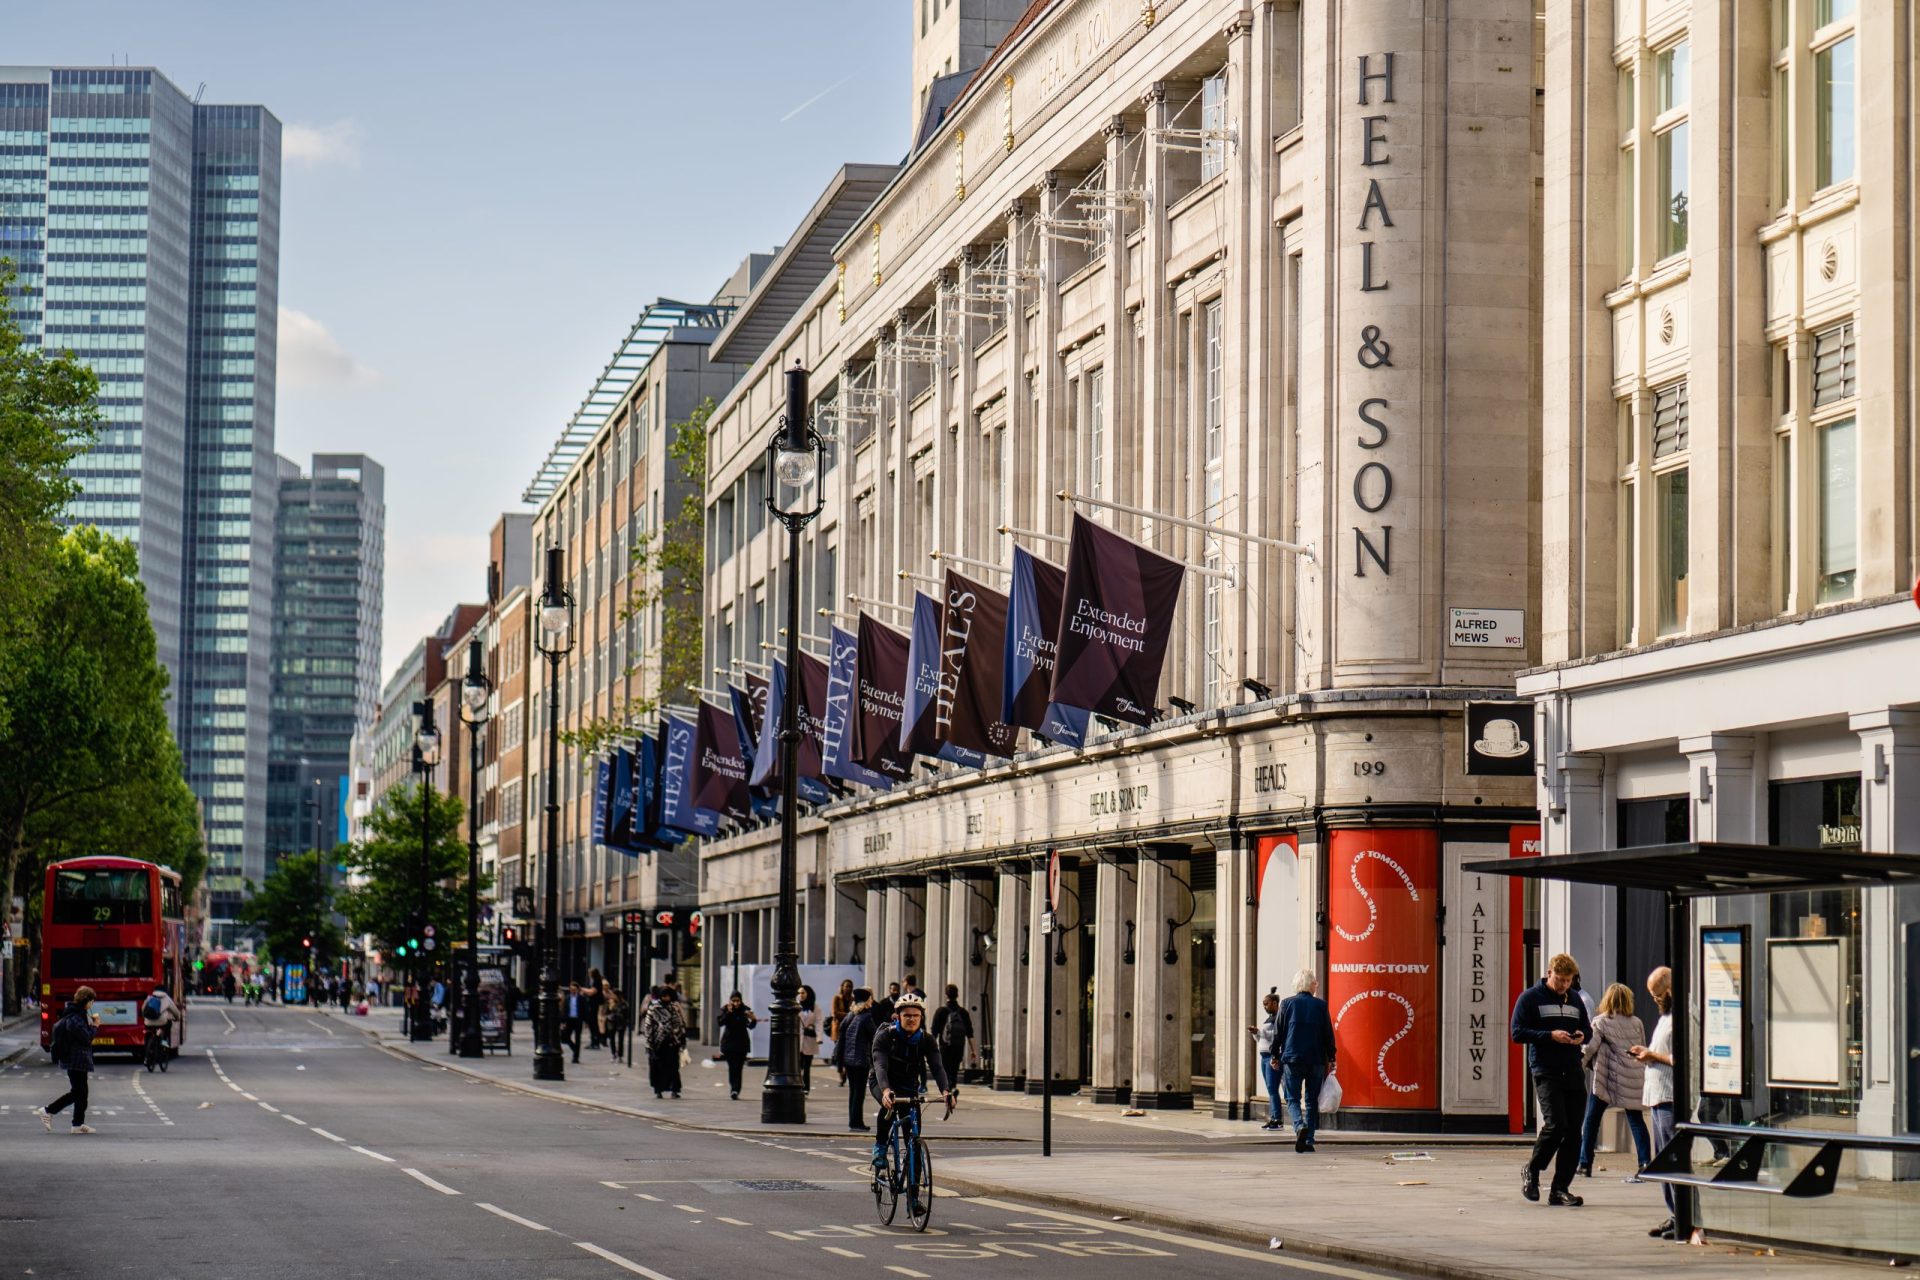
478 198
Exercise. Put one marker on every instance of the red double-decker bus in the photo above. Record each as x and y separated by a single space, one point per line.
116 925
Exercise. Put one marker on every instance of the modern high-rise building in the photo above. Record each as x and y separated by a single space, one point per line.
145 228
329 551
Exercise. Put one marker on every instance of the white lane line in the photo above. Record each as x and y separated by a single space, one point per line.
295 1119
909 1271
151 1104
689 1208
441 1187
330 1137
236 1088
249 1097
1188 1242
498 1212
844 1253
230 1027
733 1222
267 1106
323 1026
626 1263
641 1195
786 1235
376 1155
617 1186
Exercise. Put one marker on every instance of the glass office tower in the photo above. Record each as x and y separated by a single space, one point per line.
329 553
145 229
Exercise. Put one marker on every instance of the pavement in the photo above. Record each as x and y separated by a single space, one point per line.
1409 1204
281 1145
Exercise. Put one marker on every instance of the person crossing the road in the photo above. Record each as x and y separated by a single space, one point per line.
904 1055
71 1045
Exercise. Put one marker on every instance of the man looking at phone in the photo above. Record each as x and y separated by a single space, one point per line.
1551 1021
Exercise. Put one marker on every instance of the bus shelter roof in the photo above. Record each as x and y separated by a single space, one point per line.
1715 870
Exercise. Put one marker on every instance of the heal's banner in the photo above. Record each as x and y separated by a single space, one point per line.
1383 961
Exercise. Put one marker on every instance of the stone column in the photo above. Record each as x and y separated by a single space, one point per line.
1020 426
966 912
930 953
1889 821
1010 1003
1729 800
1575 918
1236 1001
876 930
1065 1009
1163 1022
1115 893
1053 460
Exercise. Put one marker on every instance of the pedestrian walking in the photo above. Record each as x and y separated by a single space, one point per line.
228 984
71 1045
736 1023
836 1023
1551 1022
1265 1037
853 1054
912 983
596 990
613 1021
666 1035
1304 1048
1618 1078
952 1029
1657 1093
809 1037
573 1015
883 1007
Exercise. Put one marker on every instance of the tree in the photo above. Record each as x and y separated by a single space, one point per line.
48 414
87 761
389 860
666 568
294 907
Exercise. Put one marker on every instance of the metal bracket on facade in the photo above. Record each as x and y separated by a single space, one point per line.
1194 139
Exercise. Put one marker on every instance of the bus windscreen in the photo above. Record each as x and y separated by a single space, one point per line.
102 896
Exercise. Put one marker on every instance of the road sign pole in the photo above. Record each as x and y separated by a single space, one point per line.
1048 923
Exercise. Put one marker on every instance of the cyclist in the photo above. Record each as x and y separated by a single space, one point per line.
159 1014
904 1055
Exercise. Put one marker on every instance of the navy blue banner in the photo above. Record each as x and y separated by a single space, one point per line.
649 813
619 834
746 723
836 736
766 756
602 799
676 782
1033 619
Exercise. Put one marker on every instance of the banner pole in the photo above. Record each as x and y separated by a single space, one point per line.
1301 549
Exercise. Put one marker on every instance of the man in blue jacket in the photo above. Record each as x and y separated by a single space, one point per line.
1551 1021
1303 1053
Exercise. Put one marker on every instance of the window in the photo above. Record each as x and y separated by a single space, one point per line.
1213 119
1670 156
1096 433
1670 78
1835 105
1833 365
1670 420
1627 182
101 897
1214 416
1670 549
1839 511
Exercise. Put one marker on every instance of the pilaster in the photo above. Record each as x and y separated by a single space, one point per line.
1116 955
1163 1017
1011 963
1236 1002
1889 822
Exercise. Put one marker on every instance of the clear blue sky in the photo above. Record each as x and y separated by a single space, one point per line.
479 197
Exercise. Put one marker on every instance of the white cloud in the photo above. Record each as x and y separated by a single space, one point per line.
311 357
319 144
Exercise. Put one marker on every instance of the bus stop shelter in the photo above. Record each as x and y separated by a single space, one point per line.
1685 872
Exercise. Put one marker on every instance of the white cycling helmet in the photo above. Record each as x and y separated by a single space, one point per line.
910 1000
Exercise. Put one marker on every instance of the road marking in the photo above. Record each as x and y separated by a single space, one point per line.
295 1119
617 1186
497 1211
626 1263
844 1253
330 1137
689 1208
230 1028
376 1155
151 1104
733 1222
1188 1242
441 1187
236 1088
323 1026
268 1106
641 1195
909 1271
249 1097
787 1235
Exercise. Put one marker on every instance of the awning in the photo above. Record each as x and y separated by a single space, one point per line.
1714 870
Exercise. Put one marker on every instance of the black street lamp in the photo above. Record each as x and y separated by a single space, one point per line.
556 640
476 694
798 455
426 757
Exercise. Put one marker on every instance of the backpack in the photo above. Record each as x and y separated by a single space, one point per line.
955 1030
60 1044
151 1009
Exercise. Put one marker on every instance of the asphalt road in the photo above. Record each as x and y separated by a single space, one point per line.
286 1147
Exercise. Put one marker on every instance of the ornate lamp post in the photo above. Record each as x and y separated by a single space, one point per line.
797 454
426 757
476 695
555 641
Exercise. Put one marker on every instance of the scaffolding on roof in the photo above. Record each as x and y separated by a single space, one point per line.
660 318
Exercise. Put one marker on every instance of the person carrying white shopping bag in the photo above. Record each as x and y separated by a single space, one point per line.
1304 1052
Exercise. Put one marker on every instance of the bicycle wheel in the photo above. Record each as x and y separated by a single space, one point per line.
886 1184
166 1056
148 1056
920 1186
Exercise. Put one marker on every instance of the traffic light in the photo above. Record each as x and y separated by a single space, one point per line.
306 942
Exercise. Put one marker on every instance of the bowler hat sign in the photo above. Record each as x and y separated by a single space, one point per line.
1500 739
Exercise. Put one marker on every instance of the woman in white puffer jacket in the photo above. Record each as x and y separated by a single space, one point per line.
1618 1077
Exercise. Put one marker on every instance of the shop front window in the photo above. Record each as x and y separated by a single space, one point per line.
1202 940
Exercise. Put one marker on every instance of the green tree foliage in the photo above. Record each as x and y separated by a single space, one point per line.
87 761
294 906
390 860
48 414
666 568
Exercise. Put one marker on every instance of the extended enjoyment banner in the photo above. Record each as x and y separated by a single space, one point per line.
719 766
880 676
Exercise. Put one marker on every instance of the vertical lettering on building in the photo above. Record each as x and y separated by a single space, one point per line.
1372 488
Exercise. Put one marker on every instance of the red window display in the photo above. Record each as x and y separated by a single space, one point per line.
1383 960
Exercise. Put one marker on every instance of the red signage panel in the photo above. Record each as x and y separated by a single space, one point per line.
1383 961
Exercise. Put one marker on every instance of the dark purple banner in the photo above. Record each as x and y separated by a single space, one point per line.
719 766
972 641
879 676
1116 617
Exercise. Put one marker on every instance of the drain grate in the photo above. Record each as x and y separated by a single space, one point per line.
777 1184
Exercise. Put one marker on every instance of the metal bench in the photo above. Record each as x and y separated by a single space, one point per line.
1674 1164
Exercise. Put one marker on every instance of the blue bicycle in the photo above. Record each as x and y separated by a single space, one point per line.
906 1167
